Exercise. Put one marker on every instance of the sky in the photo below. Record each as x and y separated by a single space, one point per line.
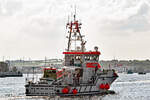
33 29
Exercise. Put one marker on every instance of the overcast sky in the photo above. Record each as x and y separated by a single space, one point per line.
36 28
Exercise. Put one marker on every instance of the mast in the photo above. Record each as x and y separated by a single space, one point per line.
73 28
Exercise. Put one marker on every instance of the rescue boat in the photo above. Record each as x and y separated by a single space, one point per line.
81 73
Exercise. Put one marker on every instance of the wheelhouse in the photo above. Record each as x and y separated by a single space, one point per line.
76 58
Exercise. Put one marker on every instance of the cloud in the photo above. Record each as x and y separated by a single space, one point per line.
127 20
36 28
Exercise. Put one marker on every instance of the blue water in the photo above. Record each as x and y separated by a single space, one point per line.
127 87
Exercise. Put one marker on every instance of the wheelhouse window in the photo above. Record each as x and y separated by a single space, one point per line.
50 73
91 57
73 60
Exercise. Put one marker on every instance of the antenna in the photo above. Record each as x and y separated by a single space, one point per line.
74 27
45 61
75 13
33 74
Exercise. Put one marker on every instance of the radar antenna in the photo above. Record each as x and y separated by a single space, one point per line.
75 36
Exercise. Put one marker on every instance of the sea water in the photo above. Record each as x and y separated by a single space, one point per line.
127 87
